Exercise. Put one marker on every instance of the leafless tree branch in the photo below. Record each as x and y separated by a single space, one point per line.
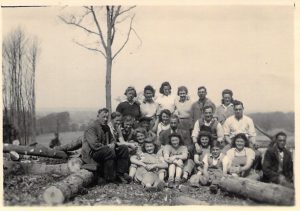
89 48
72 22
99 28
128 35
124 11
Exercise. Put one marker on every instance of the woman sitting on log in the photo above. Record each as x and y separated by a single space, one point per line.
150 167
175 154
241 158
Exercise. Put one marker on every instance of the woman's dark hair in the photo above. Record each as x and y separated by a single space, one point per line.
115 115
161 89
205 134
130 88
165 111
242 136
150 141
176 135
150 88
227 91
182 88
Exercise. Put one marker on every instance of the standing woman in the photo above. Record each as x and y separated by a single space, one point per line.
130 107
149 108
183 107
241 157
166 100
226 109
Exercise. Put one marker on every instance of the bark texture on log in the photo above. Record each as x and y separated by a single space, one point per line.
258 191
37 151
11 167
74 145
61 191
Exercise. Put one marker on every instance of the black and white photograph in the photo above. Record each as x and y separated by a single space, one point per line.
141 104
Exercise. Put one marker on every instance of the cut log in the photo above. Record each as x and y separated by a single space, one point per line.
258 191
60 192
185 200
72 166
14 155
37 151
74 145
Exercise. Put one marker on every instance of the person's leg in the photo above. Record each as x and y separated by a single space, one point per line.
178 175
122 156
106 157
172 168
132 170
187 169
162 174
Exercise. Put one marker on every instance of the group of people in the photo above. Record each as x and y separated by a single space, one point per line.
168 140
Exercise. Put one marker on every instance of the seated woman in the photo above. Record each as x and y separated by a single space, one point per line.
150 167
204 141
166 100
241 157
162 123
215 165
175 154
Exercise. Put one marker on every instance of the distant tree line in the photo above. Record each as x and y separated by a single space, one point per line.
272 120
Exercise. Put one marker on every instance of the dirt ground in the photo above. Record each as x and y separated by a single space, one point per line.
26 190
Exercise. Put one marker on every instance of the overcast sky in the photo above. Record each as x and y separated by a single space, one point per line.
247 49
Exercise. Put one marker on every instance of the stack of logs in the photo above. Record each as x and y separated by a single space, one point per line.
79 177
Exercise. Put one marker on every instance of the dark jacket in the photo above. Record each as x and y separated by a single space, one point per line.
271 165
94 138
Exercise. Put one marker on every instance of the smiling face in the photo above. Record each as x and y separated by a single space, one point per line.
103 118
166 90
182 94
215 152
175 141
281 142
149 148
240 144
208 114
202 93
227 99
140 138
165 118
148 95
204 140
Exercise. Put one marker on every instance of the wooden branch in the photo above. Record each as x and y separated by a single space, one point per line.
264 133
78 25
37 151
99 28
60 192
73 145
128 35
91 49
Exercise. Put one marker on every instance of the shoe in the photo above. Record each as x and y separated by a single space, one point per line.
124 179
183 180
160 186
213 189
